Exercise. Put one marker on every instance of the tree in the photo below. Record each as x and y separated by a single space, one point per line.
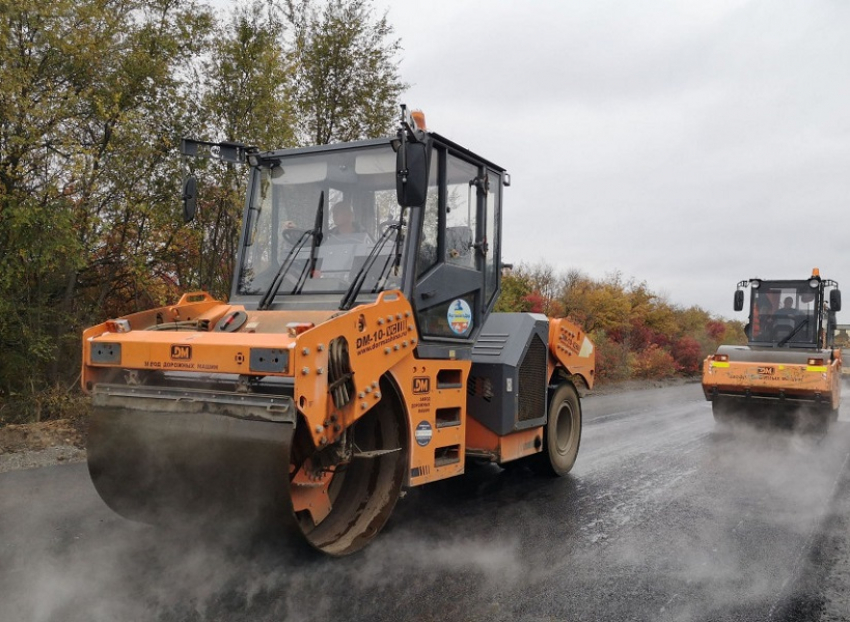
514 293
688 355
715 330
89 104
247 80
655 362
38 101
346 83
247 99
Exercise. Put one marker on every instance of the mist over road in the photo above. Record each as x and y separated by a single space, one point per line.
663 518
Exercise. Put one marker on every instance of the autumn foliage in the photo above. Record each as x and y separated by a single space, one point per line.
638 334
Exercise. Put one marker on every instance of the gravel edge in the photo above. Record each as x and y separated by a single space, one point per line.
60 454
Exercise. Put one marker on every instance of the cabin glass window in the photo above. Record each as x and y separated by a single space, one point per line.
491 275
461 212
427 256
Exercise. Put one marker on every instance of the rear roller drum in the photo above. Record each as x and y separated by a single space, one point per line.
562 434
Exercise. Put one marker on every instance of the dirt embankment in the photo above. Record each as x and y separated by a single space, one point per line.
24 446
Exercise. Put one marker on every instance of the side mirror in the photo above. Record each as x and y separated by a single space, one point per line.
835 300
190 198
412 174
739 299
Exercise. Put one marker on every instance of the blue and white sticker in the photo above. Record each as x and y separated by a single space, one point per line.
423 433
459 316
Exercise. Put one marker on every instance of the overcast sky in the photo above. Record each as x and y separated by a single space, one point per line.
686 144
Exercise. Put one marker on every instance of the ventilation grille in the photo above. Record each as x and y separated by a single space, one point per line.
478 386
532 381
490 344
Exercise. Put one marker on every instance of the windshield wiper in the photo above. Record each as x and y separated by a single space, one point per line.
360 278
310 267
277 281
796 330
393 261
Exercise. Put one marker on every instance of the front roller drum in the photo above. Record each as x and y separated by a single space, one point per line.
798 414
155 465
166 468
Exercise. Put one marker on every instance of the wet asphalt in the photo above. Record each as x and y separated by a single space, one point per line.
664 517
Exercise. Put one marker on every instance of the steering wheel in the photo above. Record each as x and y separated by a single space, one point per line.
293 235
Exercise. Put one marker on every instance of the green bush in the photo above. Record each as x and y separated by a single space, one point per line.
49 404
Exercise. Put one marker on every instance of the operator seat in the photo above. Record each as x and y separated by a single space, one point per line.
459 245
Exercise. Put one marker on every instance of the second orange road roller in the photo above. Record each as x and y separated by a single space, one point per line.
790 364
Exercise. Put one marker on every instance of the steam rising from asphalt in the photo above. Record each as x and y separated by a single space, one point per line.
119 570
705 520
664 518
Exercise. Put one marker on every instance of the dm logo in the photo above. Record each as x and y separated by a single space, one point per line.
181 353
421 384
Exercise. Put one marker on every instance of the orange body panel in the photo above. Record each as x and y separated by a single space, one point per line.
208 351
379 335
187 351
435 394
573 349
480 440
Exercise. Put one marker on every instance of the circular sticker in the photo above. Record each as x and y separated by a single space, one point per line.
459 316
423 433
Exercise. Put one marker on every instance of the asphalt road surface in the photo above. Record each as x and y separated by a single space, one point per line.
663 518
